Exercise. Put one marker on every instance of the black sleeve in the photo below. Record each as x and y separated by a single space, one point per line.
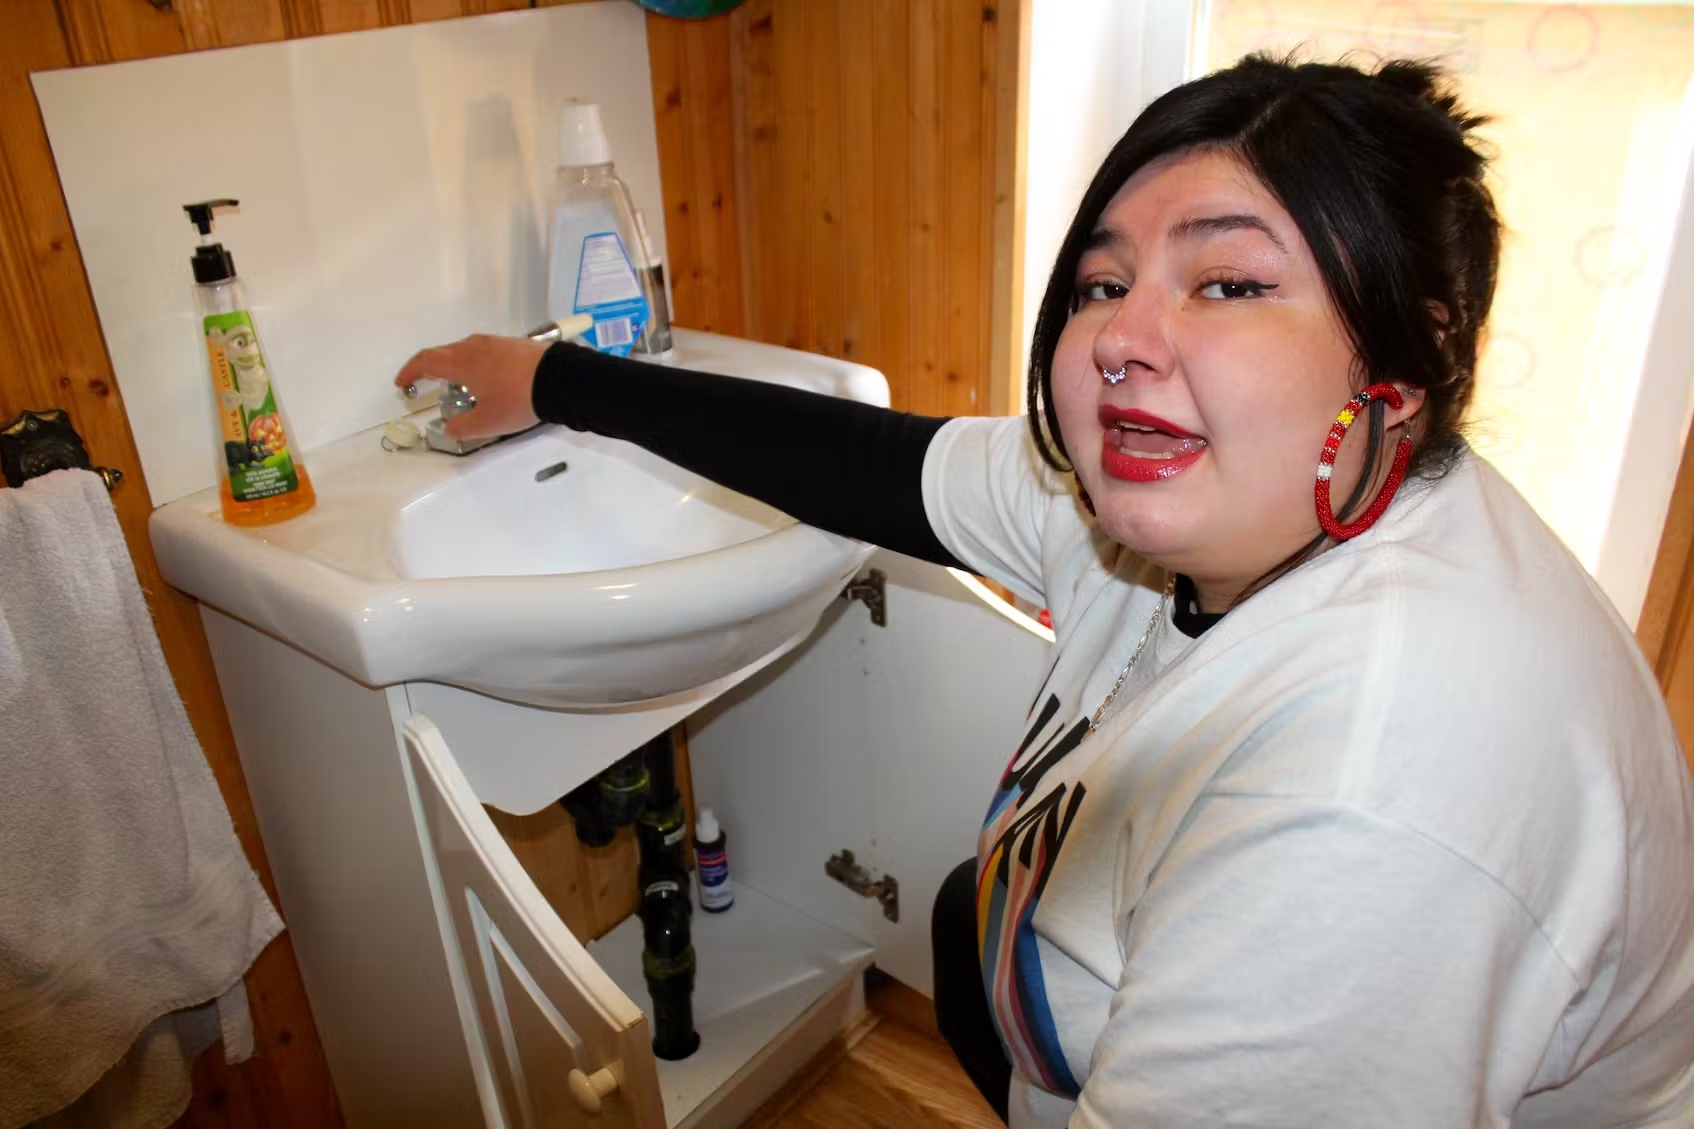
843 466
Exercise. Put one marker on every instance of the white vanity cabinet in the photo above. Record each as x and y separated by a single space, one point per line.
885 741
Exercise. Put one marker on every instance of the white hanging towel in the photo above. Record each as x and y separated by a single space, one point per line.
128 912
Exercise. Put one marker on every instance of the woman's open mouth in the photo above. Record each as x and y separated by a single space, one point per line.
1144 448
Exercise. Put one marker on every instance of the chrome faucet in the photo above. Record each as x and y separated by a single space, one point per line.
456 399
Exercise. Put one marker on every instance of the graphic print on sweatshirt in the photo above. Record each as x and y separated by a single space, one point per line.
1020 843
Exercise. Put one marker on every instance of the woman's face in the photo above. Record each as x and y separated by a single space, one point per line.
1202 459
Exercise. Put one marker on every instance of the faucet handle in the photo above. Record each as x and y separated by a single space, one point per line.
455 399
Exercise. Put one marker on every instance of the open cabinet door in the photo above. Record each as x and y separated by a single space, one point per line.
552 1041
886 741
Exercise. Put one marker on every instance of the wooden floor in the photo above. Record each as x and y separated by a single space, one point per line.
885 1074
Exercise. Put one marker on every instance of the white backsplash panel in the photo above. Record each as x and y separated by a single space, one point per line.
394 190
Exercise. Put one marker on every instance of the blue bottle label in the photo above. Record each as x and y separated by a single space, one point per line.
712 865
608 290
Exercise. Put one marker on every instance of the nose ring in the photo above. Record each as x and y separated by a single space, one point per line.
1114 377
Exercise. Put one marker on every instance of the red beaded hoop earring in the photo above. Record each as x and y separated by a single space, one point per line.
1326 464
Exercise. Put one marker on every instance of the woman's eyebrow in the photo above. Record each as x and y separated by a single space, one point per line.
1202 227
1102 237
1191 228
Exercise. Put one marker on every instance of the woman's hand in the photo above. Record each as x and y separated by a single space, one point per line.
499 371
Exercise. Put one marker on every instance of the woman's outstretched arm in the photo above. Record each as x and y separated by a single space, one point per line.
843 466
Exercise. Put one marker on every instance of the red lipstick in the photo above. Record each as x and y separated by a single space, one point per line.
1134 417
1141 447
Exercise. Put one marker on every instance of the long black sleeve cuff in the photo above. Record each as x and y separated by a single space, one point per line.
843 466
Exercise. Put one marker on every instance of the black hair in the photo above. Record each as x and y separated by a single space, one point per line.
1383 175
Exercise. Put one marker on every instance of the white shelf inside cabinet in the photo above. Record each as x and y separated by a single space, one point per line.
761 967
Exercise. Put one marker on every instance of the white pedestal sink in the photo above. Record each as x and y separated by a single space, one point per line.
620 579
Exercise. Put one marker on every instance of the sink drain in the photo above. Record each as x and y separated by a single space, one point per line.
547 472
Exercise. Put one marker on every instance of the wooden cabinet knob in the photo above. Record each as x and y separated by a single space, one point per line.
591 1090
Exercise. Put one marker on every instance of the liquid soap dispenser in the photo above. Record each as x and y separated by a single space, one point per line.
263 479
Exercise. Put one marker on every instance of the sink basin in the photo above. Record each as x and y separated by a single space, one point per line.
555 569
611 506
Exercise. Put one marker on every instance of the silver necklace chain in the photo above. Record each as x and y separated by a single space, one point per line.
1146 637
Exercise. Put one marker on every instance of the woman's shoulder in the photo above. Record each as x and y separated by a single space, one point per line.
1464 565
1459 640
1458 672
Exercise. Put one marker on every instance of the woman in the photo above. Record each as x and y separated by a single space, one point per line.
1365 820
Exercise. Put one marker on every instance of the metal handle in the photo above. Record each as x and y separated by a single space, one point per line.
455 398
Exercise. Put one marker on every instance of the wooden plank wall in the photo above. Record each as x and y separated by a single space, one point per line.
1666 628
839 175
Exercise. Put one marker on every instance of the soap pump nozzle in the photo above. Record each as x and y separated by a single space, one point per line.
211 262
200 215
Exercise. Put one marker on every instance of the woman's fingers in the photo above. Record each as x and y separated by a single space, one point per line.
436 362
498 371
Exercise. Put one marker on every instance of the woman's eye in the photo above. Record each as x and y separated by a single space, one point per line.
1236 288
1100 291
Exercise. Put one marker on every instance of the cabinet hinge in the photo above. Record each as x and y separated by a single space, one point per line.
845 869
872 588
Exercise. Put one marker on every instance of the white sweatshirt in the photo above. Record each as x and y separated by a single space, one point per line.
1405 839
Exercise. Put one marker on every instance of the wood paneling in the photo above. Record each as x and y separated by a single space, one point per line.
837 176
1003 229
694 108
874 149
1668 612
591 888
327 17
230 23
104 31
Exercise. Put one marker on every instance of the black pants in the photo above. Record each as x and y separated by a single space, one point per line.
961 1004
